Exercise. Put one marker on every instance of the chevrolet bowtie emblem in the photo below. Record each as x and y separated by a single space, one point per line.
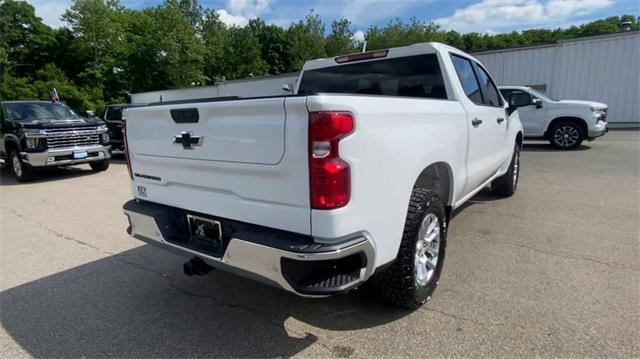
187 140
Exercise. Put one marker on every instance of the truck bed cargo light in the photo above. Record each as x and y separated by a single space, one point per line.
362 56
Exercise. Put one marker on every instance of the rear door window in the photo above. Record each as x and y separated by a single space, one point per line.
411 76
467 77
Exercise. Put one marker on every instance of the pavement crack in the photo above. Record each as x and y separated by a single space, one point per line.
461 318
53 231
566 256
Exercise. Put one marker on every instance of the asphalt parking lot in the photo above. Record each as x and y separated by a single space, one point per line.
553 271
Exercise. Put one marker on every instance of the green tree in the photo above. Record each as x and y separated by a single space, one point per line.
399 33
215 36
340 40
27 42
306 41
273 45
180 50
97 28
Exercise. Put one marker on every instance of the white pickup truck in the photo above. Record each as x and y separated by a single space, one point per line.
564 123
351 178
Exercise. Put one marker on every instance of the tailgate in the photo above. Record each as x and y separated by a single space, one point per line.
239 159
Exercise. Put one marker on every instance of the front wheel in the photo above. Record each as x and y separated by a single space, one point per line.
99 166
507 184
410 281
566 135
21 171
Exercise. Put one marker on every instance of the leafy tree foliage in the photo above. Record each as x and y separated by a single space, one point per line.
108 51
340 40
306 40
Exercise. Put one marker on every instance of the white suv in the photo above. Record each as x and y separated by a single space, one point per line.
564 123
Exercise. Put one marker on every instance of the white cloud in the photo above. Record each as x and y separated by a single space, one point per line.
240 11
502 13
50 11
358 36
232 20
248 8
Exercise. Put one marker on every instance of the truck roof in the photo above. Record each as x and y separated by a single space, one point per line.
414 49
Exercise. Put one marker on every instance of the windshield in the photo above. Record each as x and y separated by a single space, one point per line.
542 95
28 111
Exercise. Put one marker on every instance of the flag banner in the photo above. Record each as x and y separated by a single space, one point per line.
54 96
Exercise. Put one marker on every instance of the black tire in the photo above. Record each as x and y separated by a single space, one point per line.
99 166
21 171
566 135
507 184
398 284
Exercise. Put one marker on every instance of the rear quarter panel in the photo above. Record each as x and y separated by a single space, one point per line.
394 140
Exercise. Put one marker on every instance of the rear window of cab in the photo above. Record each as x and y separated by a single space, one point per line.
410 76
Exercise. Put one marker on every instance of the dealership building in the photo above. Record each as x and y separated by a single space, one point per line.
602 68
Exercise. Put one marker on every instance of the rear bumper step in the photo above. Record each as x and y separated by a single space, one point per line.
291 261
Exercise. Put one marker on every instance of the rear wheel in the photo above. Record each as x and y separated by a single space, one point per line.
21 171
413 276
507 184
99 166
566 135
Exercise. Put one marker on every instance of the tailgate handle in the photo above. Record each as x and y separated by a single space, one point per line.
185 115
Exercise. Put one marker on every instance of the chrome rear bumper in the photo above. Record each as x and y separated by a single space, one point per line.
258 261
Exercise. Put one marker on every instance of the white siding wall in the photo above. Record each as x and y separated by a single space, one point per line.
601 68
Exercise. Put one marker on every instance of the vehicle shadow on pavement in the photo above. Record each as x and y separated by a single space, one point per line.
46 175
482 197
139 304
546 147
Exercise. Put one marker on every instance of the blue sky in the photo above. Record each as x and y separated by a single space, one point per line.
486 16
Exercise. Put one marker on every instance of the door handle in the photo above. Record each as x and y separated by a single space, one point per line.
500 120
476 122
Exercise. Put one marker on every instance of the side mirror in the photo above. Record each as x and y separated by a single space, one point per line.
287 88
537 102
520 99
90 114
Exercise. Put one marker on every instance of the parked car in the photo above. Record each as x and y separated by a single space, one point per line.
114 120
352 178
41 134
564 123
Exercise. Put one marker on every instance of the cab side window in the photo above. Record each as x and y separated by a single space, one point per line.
467 77
489 90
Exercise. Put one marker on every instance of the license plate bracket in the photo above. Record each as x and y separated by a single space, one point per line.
206 231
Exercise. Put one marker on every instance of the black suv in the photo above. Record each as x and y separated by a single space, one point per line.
113 117
40 134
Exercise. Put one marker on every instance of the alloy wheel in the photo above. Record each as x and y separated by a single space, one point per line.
16 165
427 249
566 136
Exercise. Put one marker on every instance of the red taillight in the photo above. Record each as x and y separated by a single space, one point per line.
329 175
126 148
